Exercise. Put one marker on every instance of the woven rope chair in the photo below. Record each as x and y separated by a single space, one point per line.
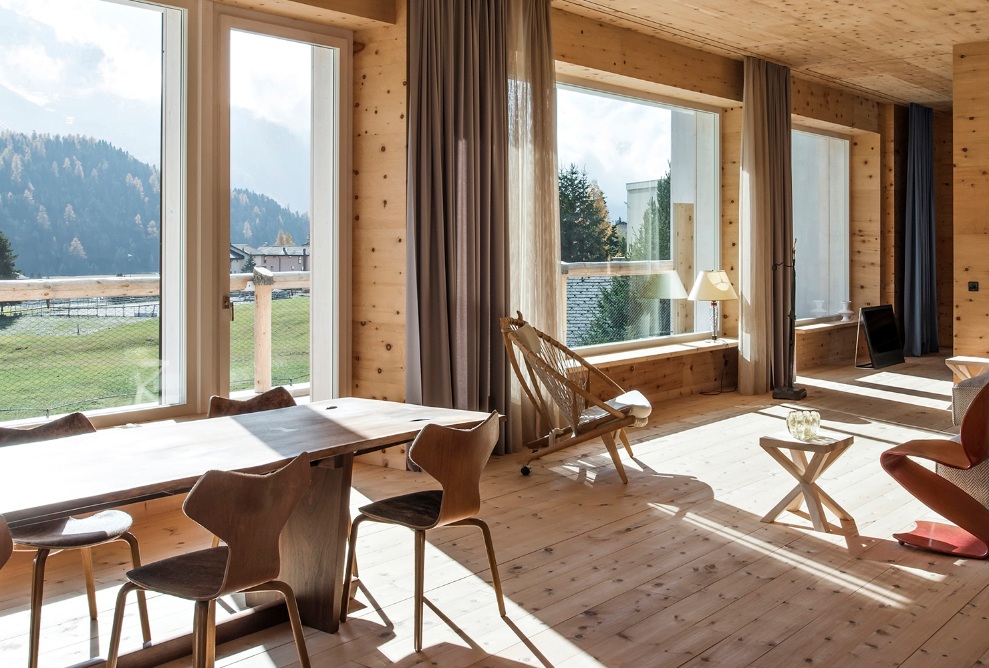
554 377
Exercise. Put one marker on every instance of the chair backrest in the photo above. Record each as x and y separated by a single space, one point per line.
6 541
248 512
67 425
276 397
975 428
456 458
563 374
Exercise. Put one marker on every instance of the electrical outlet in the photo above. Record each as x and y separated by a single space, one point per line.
973 286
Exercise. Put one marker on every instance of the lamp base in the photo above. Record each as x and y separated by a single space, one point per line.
789 393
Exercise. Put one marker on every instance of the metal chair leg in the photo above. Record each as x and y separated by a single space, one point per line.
420 565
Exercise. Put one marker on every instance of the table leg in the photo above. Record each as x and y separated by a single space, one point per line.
314 544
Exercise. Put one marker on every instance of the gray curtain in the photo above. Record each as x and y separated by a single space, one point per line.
920 274
766 231
457 205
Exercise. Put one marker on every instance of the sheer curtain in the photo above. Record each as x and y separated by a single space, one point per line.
765 230
534 217
457 208
920 282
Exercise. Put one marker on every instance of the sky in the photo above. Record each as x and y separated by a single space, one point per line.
54 53
69 57
615 140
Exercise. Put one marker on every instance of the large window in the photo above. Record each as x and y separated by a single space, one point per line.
91 206
120 157
820 223
639 210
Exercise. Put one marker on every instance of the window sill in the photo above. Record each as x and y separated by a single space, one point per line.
817 326
662 352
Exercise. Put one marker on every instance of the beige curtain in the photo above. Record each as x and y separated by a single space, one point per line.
534 217
766 230
457 208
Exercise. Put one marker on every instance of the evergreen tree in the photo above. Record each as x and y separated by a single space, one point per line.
585 231
8 270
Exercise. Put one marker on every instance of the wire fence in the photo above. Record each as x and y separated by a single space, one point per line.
65 355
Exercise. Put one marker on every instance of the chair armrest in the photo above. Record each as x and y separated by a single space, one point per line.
942 451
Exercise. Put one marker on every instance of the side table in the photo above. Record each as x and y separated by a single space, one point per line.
824 451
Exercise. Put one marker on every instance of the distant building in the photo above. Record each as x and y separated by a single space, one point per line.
282 258
239 255
273 258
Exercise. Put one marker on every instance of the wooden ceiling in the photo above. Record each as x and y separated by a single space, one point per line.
897 51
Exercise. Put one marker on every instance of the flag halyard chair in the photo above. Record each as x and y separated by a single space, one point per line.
552 375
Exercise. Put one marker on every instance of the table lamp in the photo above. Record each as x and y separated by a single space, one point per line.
712 286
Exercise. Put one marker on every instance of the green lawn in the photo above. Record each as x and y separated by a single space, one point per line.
61 364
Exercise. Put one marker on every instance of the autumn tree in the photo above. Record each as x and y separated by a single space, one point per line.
284 239
585 231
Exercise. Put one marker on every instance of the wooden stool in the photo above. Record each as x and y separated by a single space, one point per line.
825 451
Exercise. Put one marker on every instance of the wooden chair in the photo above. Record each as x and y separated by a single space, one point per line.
970 538
455 458
556 376
276 397
248 512
70 533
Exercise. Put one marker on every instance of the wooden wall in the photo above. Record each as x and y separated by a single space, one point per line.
971 185
380 157
944 200
596 52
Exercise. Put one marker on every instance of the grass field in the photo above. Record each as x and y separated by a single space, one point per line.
61 364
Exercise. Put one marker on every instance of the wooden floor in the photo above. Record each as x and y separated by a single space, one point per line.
674 569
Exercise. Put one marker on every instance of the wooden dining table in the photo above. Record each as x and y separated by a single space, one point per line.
114 467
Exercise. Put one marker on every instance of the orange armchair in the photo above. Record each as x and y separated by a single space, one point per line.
969 537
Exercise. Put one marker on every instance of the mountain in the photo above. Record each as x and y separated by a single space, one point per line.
73 205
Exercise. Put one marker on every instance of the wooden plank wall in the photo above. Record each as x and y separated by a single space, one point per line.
865 220
944 214
731 160
380 157
971 183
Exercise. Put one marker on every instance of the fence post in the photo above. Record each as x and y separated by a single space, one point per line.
263 282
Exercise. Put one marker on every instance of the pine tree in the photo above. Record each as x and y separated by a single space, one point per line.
8 270
585 231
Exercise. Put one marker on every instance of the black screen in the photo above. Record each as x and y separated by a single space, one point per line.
882 335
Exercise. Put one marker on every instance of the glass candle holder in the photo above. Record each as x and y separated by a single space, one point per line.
803 425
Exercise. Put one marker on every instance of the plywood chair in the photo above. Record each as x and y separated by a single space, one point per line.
276 397
248 512
970 536
554 376
455 458
69 533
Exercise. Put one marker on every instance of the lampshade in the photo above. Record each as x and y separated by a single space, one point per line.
712 286
664 285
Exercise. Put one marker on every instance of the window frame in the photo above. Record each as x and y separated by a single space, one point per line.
702 310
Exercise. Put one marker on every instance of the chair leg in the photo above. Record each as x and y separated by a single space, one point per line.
351 564
37 593
118 624
293 617
204 635
628 446
492 562
86 553
420 565
142 598
609 442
